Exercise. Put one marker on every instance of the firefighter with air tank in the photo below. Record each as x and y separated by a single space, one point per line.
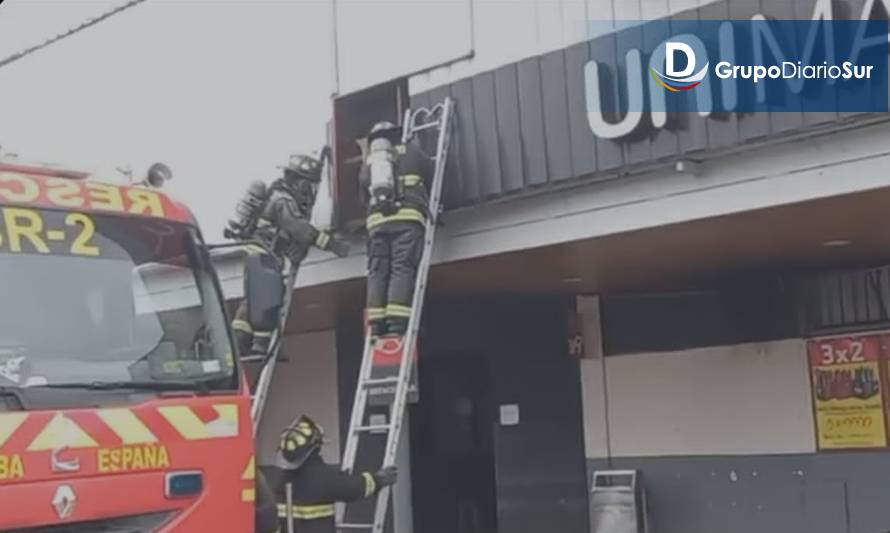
394 180
279 216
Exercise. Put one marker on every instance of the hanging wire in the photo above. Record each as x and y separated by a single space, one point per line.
77 29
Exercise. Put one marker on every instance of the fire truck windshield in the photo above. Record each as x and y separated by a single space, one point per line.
92 299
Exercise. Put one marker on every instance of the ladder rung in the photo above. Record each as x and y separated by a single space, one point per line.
355 526
370 383
426 126
374 427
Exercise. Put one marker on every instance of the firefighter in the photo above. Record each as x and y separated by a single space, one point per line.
394 180
315 485
280 217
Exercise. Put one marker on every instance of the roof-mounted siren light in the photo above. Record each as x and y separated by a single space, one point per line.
157 175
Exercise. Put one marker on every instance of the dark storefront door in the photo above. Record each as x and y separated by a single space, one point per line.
541 472
451 447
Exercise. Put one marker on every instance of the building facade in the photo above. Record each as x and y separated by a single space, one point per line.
623 292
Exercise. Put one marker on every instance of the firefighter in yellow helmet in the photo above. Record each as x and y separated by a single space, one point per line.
316 485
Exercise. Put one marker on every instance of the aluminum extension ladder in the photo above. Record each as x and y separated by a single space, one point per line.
441 118
258 400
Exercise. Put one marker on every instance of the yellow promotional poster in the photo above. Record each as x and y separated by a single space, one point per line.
847 392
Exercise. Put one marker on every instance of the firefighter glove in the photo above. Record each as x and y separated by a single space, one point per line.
339 247
386 476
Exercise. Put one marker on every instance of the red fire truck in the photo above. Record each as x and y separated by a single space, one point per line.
120 408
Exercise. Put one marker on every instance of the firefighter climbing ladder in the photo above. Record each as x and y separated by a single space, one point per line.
439 117
271 358
258 400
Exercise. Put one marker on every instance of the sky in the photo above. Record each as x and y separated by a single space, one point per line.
223 91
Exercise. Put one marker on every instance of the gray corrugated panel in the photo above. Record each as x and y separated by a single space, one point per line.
509 140
755 124
420 100
664 142
610 154
788 115
489 175
723 128
848 302
803 10
464 146
451 187
582 139
556 115
851 9
692 136
531 119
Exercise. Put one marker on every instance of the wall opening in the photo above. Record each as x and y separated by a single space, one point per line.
354 115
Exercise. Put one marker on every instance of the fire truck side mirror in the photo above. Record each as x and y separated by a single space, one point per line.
264 291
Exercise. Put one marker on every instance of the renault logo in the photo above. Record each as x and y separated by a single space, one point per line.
61 465
64 501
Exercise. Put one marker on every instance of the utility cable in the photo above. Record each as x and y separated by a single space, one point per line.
77 29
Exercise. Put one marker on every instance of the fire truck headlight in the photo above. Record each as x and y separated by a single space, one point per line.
183 484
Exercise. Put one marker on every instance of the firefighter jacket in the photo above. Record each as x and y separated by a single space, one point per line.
316 486
414 174
285 223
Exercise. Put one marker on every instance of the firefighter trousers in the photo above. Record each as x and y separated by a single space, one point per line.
248 340
394 253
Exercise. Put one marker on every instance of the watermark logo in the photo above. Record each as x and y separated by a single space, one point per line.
723 67
675 80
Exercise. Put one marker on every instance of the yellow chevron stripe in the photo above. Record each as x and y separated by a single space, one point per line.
193 428
9 422
248 495
127 425
61 431
250 471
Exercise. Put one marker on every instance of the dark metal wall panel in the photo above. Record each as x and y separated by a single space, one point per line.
609 154
540 464
851 10
751 125
465 145
531 369
723 128
531 119
806 493
486 121
453 179
789 116
556 115
526 124
803 10
691 129
662 142
582 140
506 84
845 301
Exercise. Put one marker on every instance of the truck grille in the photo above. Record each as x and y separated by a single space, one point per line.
142 523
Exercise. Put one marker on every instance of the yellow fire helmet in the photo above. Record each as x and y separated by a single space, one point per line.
298 442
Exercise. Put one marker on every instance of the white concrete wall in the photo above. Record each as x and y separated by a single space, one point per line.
305 384
725 400
593 384
745 399
505 31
